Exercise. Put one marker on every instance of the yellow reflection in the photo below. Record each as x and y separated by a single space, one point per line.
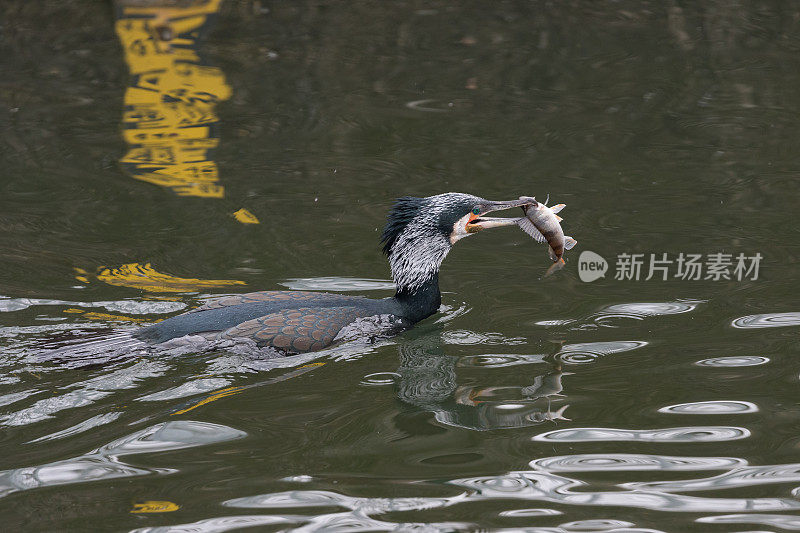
94 315
155 507
170 117
230 391
145 277
245 217
222 393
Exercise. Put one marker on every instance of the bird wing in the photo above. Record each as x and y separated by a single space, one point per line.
264 297
303 329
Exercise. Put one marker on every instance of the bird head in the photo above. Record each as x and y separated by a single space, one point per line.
419 232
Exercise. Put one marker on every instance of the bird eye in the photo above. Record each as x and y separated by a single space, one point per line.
476 210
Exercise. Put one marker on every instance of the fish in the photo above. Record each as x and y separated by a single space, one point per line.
544 225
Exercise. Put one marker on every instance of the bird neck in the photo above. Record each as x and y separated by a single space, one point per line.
422 301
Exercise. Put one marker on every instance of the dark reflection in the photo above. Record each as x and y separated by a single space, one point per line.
427 379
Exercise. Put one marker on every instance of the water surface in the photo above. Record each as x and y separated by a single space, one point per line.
551 404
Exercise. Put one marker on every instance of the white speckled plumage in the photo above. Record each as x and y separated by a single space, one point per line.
419 250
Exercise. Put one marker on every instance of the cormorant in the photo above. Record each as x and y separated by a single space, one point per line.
419 233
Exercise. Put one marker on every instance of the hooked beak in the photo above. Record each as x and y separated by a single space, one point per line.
479 222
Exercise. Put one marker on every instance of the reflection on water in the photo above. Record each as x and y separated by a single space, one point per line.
104 462
743 476
223 523
732 362
338 284
632 462
639 311
428 380
711 408
379 379
789 523
170 119
86 425
590 351
543 485
131 307
145 277
771 320
680 434
526 403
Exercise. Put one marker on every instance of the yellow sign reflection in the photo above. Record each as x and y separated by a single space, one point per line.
155 507
145 277
170 117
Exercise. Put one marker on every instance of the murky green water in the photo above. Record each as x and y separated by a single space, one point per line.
549 404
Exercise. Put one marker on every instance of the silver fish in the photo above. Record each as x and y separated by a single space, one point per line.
544 225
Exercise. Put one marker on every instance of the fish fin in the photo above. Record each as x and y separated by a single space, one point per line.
569 242
558 218
559 414
527 226
558 207
555 267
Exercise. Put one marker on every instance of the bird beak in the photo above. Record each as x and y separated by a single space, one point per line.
479 222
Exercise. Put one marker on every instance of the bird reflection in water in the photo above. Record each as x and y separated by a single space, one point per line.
427 379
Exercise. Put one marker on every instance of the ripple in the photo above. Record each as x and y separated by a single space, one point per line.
86 392
633 462
552 488
379 379
653 308
105 463
554 322
301 478
323 498
467 337
596 525
450 313
500 360
744 476
190 388
641 310
220 524
529 513
680 434
711 408
429 105
338 284
588 352
14 397
133 307
791 523
729 362
769 320
86 425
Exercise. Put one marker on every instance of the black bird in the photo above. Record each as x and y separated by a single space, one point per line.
418 235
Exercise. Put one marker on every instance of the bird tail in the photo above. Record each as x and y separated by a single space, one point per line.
102 348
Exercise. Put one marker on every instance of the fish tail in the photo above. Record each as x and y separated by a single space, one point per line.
555 267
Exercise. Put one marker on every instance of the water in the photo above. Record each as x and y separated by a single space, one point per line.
550 404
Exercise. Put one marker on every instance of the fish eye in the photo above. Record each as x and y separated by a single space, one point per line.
476 210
